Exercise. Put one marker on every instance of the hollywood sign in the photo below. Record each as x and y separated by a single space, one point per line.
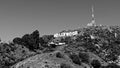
66 34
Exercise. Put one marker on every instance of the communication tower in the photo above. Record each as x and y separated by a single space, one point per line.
92 23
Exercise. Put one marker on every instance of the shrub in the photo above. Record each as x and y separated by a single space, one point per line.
63 65
59 55
96 64
75 59
84 57
112 65
13 53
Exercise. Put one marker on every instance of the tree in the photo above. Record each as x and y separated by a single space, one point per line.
31 41
17 40
44 40
47 38
67 40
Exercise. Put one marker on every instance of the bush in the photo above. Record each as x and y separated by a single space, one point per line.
63 65
75 59
47 38
13 53
59 55
96 64
112 65
84 57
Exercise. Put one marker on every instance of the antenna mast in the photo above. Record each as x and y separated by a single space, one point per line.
93 18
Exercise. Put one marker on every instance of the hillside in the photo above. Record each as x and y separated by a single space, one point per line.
91 46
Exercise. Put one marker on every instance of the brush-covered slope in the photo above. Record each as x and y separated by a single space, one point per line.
93 46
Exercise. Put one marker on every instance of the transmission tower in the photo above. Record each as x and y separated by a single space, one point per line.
92 23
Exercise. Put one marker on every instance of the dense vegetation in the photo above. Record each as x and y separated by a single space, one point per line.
105 44
22 48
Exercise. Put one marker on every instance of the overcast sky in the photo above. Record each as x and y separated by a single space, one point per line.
18 17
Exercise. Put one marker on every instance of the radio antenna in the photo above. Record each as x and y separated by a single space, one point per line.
93 17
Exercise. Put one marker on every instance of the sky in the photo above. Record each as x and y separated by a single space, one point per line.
19 17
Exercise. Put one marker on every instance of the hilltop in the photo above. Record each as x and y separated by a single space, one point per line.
91 46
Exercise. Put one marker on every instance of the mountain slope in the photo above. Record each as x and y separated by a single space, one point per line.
93 46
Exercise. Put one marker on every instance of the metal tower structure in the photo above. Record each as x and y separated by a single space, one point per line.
93 16
92 23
